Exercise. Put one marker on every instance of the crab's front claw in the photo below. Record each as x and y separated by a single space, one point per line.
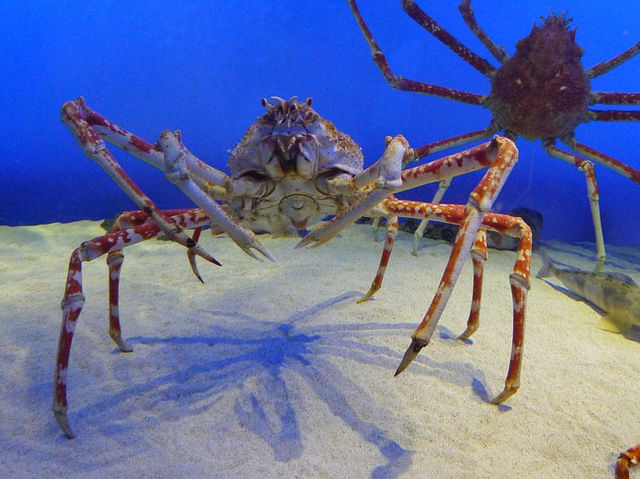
255 244
340 222
177 165
385 174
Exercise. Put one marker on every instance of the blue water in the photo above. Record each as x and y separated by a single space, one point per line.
202 67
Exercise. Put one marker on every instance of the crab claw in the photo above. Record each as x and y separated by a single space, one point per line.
246 240
340 222
192 257
194 266
195 249
410 354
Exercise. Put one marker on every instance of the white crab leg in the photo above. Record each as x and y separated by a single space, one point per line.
177 157
387 175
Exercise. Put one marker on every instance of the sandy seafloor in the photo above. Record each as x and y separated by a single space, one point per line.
272 370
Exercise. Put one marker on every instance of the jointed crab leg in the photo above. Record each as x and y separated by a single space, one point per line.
616 61
480 202
402 83
185 218
73 300
88 126
140 148
94 147
469 18
437 198
519 278
605 160
392 232
177 171
478 256
473 159
627 459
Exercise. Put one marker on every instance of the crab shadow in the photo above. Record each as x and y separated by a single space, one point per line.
258 363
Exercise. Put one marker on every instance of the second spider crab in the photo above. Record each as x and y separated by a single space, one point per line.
541 92
291 169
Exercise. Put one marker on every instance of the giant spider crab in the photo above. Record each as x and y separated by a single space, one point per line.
542 92
291 169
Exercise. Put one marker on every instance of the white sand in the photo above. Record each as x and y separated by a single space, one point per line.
273 370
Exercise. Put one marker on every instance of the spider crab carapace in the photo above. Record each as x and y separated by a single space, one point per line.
292 168
542 92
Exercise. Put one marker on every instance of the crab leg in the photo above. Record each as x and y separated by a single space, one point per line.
444 184
177 171
437 198
93 146
594 194
604 67
480 202
617 115
392 232
454 141
87 126
609 162
478 256
627 459
140 148
612 98
469 18
519 278
73 301
193 218
406 84
473 159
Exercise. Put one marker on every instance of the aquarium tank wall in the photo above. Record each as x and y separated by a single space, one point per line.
202 67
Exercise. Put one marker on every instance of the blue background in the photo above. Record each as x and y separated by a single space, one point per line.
202 67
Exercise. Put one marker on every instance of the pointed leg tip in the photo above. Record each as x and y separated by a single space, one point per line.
410 354
303 242
63 422
504 395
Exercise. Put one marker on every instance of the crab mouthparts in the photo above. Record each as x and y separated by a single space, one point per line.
300 209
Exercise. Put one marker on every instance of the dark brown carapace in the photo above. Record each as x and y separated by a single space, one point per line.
542 91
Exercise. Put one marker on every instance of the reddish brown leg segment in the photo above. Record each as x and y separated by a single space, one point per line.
392 232
479 256
519 278
402 83
73 299
627 459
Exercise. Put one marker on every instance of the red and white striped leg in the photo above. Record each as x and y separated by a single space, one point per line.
114 262
519 278
73 299
392 232
186 218
504 155
75 117
627 459
479 256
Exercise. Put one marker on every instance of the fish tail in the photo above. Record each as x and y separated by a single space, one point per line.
547 266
